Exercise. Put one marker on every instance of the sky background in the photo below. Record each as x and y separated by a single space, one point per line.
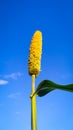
18 22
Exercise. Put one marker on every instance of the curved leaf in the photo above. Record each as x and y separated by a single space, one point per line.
47 86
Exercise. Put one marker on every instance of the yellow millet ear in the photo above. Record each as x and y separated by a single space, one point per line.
34 62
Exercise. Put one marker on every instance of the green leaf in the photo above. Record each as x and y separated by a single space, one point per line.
47 86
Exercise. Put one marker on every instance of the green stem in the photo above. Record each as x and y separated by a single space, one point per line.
33 106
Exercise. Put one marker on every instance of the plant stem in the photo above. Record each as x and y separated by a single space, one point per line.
33 106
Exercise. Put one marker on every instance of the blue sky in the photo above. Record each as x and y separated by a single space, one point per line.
18 21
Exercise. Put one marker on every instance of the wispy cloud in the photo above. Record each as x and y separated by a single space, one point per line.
63 75
17 112
14 95
13 75
3 82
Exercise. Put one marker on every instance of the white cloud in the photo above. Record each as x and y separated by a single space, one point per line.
3 82
63 75
17 112
14 95
13 75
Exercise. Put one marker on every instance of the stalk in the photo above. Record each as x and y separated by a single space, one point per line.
33 106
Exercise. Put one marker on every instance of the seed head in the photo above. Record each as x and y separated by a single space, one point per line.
34 62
